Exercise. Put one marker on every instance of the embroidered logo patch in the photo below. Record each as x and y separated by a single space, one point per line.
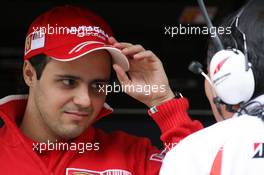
34 41
77 171
158 156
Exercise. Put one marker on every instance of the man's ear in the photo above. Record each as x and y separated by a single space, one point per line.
29 73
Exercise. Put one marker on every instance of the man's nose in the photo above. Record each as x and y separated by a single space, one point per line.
82 98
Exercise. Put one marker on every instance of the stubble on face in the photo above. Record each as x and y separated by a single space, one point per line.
62 111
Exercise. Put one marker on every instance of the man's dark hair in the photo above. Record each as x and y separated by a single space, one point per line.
39 62
251 22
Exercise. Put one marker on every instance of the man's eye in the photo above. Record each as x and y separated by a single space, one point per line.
68 82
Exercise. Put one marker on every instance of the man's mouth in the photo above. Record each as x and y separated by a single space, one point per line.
76 114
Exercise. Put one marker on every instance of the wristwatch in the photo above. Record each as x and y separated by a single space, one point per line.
178 95
154 109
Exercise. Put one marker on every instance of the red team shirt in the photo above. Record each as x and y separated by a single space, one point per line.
116 153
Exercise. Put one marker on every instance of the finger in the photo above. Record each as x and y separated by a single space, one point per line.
146 54
112 40
133 50
121 74
122 45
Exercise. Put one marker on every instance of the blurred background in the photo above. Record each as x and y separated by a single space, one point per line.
136 21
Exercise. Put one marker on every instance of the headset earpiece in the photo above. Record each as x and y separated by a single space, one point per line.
231 75
232 82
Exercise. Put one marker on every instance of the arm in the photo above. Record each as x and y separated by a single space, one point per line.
174 121
147 70
175 124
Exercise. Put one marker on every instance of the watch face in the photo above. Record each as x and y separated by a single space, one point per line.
178 95
153 110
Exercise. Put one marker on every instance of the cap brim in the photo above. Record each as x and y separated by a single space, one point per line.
75 51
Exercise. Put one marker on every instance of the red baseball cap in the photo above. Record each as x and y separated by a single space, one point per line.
66 33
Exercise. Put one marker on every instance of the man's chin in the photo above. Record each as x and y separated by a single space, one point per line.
71 132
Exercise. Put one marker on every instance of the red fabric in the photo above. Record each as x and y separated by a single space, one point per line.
217 164
47 27
118 153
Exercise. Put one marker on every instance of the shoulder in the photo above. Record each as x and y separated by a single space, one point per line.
198 151
208 134
223 130
208 141
202 143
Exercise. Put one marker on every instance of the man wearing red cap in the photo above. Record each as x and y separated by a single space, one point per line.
68 56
